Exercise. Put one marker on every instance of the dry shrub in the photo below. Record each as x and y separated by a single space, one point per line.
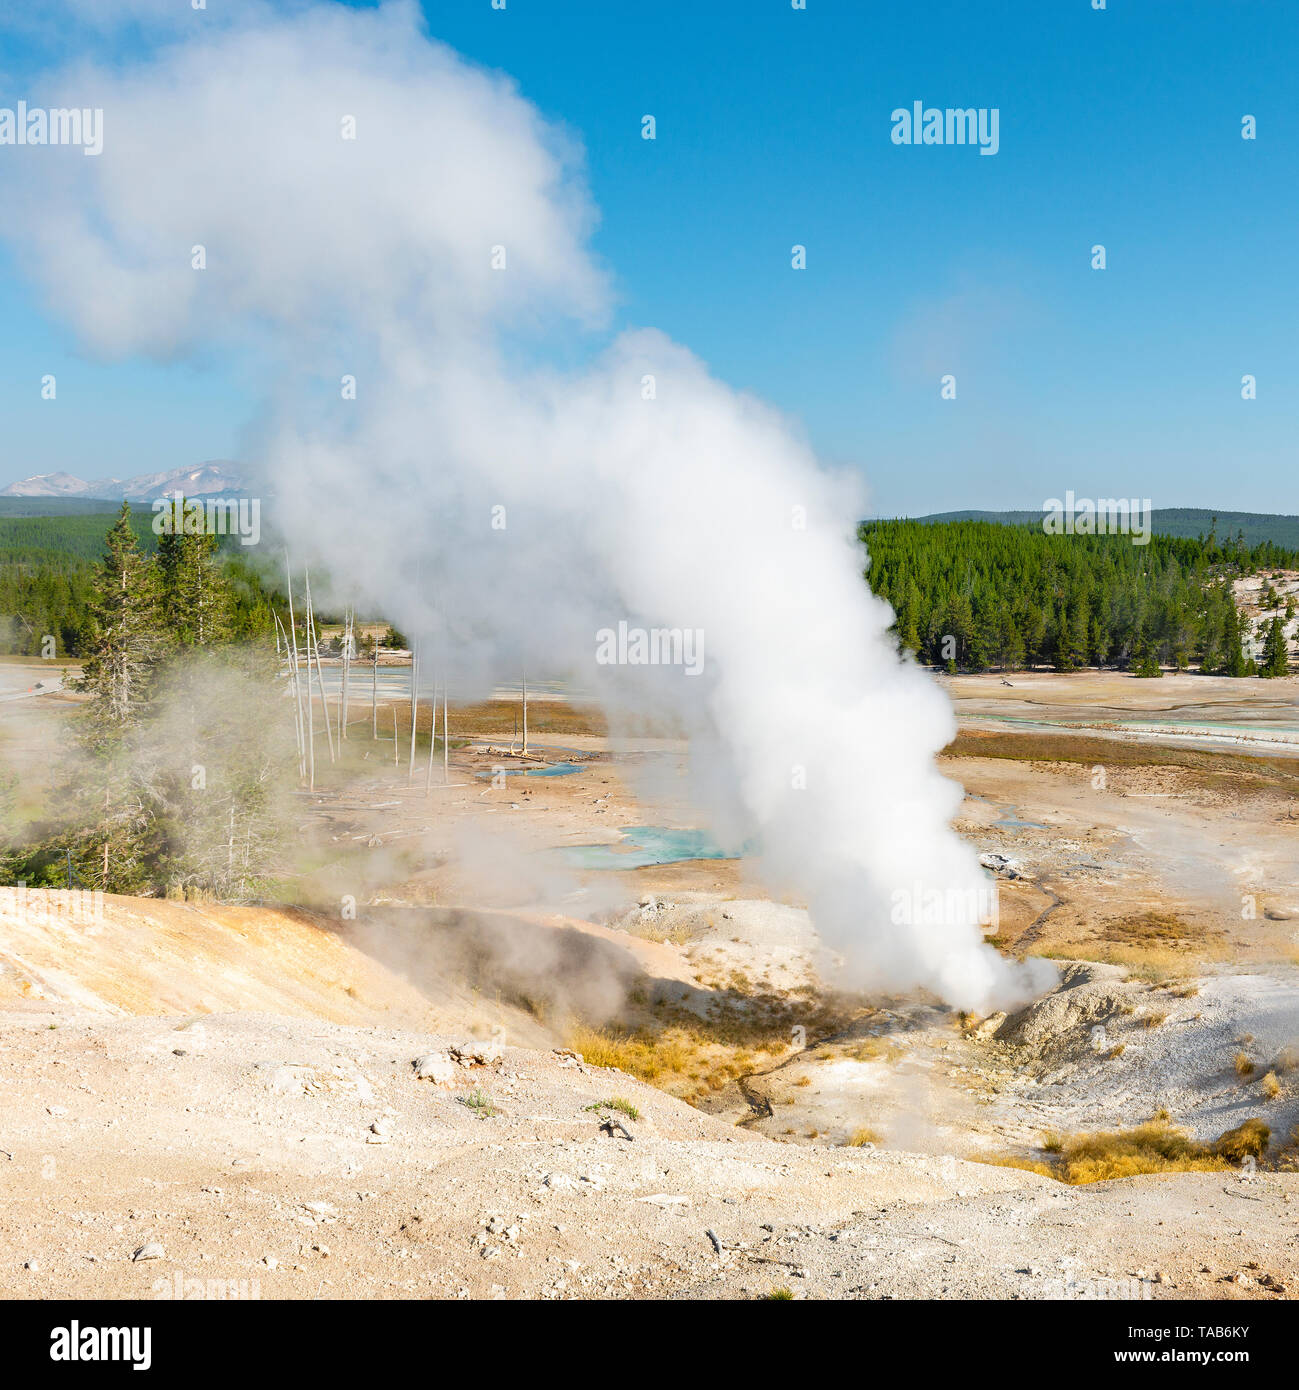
1153 964
645 1057
1154 1147
1151 927
678 935
875 1050
1158 1146
1248 1140
861 1136
1271 1085
1244 1064
1028 1165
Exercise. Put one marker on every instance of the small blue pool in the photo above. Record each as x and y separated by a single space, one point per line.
642 846
550 770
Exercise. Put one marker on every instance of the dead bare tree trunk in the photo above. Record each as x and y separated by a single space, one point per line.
297 680
347 670
291 664
320 674
432 740
414 701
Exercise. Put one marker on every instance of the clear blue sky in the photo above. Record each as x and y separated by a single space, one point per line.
1120 127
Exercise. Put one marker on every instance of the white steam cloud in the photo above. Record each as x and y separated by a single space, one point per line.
671 503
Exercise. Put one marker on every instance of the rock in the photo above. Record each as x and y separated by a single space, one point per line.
616 1125
150 1250
1277 914
380 1132
1000 864
712 1235
478 1054
437 1068
989 1026
1088 992
56 1110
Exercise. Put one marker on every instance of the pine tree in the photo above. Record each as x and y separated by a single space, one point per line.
1064 644
1276 659
907 626
195 592
1234 661
125 642
1144 663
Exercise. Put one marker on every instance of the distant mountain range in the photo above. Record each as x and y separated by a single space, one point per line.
1170 521
215 478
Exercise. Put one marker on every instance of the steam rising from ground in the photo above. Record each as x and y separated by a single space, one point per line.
499 509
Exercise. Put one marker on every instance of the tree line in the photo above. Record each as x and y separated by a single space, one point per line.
47 577
180 752
979 596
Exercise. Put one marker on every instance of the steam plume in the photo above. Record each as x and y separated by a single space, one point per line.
635 487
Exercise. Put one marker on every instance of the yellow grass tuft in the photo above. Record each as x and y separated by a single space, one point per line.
647 1058
1157 1146
861 1136
1248 1140
1028 1165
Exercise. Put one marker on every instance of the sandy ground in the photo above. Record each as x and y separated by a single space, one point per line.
255 1155
1192 711
220 1096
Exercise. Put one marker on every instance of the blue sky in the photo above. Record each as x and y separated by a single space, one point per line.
1121 127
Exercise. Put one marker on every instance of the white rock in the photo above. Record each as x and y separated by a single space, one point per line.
437 1068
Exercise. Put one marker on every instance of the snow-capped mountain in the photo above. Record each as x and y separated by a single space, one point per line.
215 477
